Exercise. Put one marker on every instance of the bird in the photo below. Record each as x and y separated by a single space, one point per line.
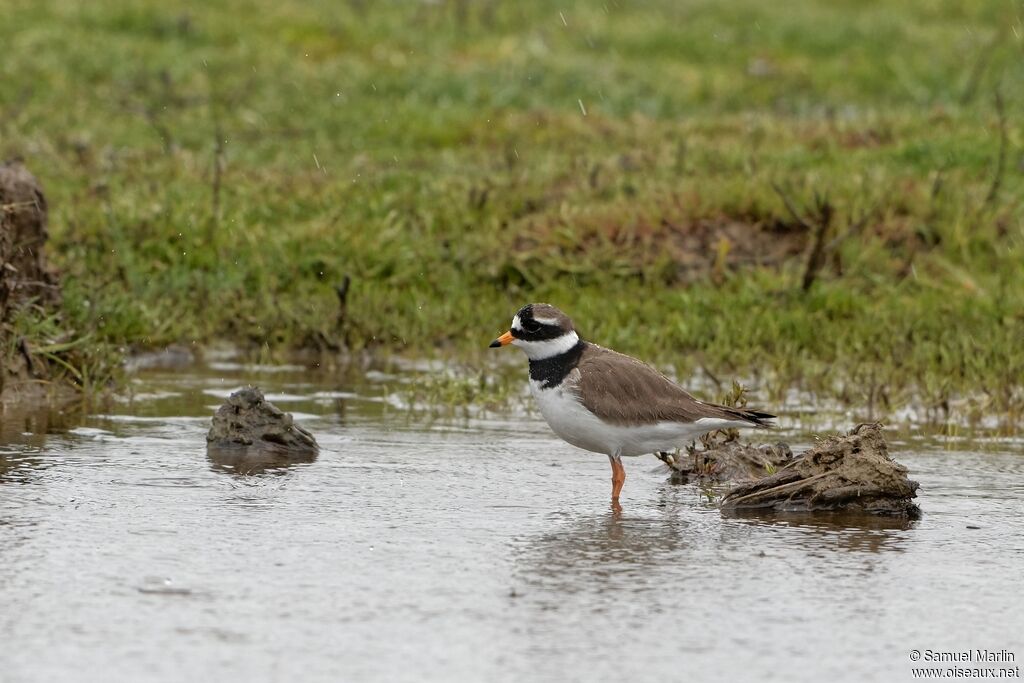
607 402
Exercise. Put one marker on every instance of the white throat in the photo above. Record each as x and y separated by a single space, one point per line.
539 350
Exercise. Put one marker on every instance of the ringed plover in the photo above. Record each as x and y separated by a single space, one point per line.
607 402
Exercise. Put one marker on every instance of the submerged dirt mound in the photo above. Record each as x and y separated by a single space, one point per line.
247 420
26 279
851 473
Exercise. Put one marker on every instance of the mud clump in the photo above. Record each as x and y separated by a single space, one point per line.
851 473
25 274
26 279
248 424
727 461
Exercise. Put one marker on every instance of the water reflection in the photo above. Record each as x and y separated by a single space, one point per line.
859 532
28 425
623 552
23 434
252 460
591 552
18 466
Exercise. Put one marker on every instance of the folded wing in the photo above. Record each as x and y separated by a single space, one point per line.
622 390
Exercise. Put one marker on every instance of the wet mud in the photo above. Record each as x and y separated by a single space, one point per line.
852 473
250 434
26 279
724 461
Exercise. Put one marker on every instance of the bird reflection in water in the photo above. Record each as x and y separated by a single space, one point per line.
616 551
604 550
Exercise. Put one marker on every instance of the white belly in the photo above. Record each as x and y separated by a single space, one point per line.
572 422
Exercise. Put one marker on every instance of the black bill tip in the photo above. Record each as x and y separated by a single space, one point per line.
496 344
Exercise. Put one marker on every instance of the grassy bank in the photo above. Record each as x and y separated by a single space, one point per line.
216 172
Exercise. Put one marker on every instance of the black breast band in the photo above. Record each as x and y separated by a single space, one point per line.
551 371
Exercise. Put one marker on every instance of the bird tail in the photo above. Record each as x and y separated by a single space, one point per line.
757 418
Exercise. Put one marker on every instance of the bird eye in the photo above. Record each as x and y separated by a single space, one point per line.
531 326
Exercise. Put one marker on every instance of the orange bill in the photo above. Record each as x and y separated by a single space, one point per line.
503 340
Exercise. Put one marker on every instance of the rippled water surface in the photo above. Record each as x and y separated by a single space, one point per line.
470 550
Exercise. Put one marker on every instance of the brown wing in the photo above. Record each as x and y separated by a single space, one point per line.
622 390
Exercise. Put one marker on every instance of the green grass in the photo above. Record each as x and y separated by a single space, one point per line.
439 154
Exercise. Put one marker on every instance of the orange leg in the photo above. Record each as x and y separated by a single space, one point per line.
618 478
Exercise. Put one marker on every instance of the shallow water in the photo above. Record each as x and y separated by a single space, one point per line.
476 550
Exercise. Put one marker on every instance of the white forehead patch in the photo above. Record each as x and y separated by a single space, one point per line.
516 325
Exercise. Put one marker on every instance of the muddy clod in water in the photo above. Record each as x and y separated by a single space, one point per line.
726 462
851 473
248 421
